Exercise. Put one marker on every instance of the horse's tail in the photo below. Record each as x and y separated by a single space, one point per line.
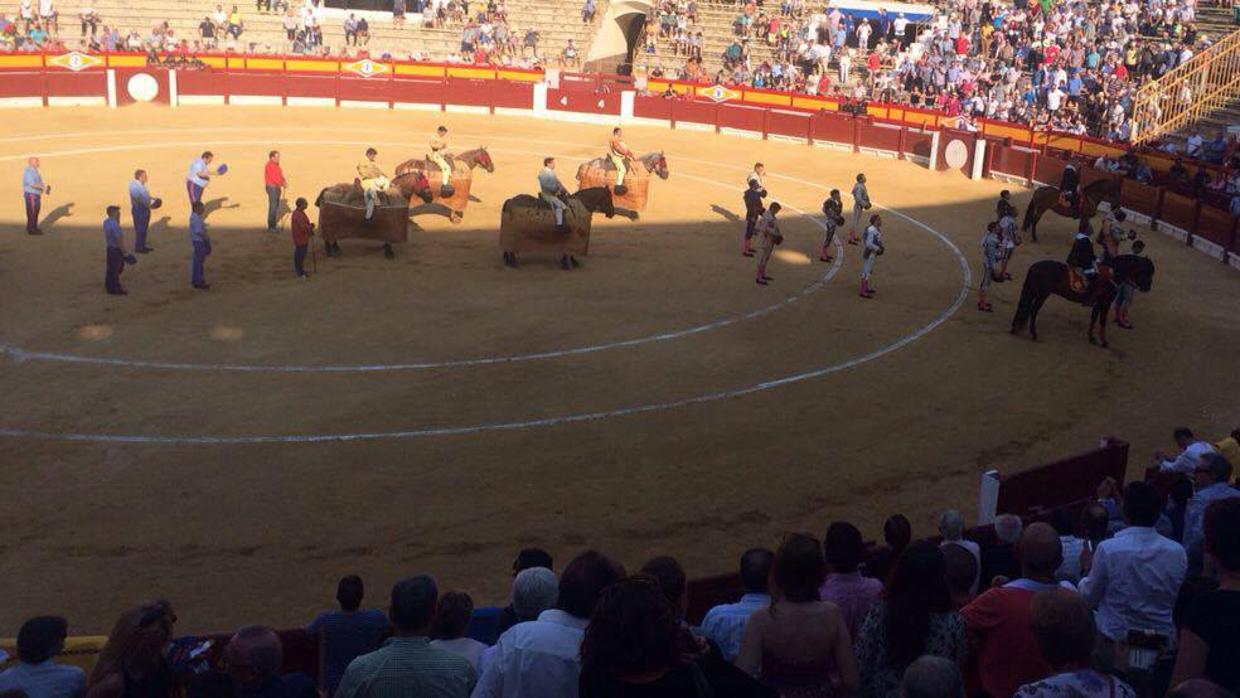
1025 307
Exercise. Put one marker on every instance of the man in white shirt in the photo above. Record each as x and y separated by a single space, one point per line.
1211 480
543 657
725 623
35 674
1192 147
1191 451
1132 580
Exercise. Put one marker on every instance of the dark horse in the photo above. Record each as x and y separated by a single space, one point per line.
1048 276
1048 199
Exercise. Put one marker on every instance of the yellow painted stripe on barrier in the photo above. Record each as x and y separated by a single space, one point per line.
484 73
1020 135
1090 148
815 104
435 71
765 98
264 64
21 61
1063 142
895 114
214 61
81 651
876 112
920 119
520 77
313 66
236 63
126 61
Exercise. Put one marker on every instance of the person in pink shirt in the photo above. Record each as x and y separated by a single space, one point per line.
854 594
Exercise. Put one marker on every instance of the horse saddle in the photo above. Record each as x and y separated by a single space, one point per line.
1078 282
450 159
608 166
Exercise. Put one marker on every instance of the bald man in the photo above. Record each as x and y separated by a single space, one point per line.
33 190
998 620
253 658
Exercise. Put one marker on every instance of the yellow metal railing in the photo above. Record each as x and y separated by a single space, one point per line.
1189 92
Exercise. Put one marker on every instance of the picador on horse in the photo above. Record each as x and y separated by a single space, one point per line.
552 191
1084 266
1068 188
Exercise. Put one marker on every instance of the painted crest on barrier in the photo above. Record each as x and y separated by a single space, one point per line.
718 93
75 61
367 68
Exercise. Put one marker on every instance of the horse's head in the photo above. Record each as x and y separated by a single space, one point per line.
657 163
484 159
416 184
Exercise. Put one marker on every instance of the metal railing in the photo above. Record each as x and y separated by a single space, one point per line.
1190 92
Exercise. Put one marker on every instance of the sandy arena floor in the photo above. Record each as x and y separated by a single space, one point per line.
638 404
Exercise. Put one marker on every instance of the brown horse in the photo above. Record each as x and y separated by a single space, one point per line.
1050 277
600 172
528 223
1048 199
455 196
342 214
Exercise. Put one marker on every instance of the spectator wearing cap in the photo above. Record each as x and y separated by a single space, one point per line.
1210 638
1132 580
36 675
527 558
1065 633
854 594
725 623
407 665
1000 560
1211 479
997 621
542 657
347 634
253 658
1191 450
451 621
932 677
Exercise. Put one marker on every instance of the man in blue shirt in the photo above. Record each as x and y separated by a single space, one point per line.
115 240
141 204
36 675
725 624
202 246
33 190
349 633
199 176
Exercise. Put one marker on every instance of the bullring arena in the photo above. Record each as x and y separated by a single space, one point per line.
438 410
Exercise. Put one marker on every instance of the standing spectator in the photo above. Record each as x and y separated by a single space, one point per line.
132 661
206 31
253 658
235 24
527 558
407 665
799 642
1065 633
201 244
350 30
363 31
1133 579
1212 476
33 190
951 527
140 205
1000 560
220 17
89 18
1191 450
914 618
725 624
448 627
542 657
352 631
49 17
534 590
39 640
114 239
998 621
932 677
289 22
852 593
587 12
1210 638
897 534
274 182
303 230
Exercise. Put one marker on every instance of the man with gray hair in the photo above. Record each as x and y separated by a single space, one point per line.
932 677
533 591
253 658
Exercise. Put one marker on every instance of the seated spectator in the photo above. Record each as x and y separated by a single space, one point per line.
914 618
132 661
1210 638
527 558
997 621
448 627
1133 579
725 624
1191 450
951 527
798 642
932 677
1071 544
1211 477
1065 633
1000 560
897 534
349 633
39 640
542 657
253 658
853 594
960 569
631 648
407 665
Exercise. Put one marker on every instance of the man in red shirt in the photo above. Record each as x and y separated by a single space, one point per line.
303 229
273 178
1004 652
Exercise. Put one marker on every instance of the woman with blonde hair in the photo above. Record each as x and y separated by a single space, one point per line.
132 663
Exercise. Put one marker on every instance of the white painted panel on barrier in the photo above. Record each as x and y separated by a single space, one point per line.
833 145
111 88
174 96
312 102
363 104
741 133
467 109
76 101
626 105
785 139
1203 245
643 121
876 152
20 102
255 101
694 126
510 111
200 100
416 106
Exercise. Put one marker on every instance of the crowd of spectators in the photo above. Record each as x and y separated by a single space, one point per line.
1071 66
1138 594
